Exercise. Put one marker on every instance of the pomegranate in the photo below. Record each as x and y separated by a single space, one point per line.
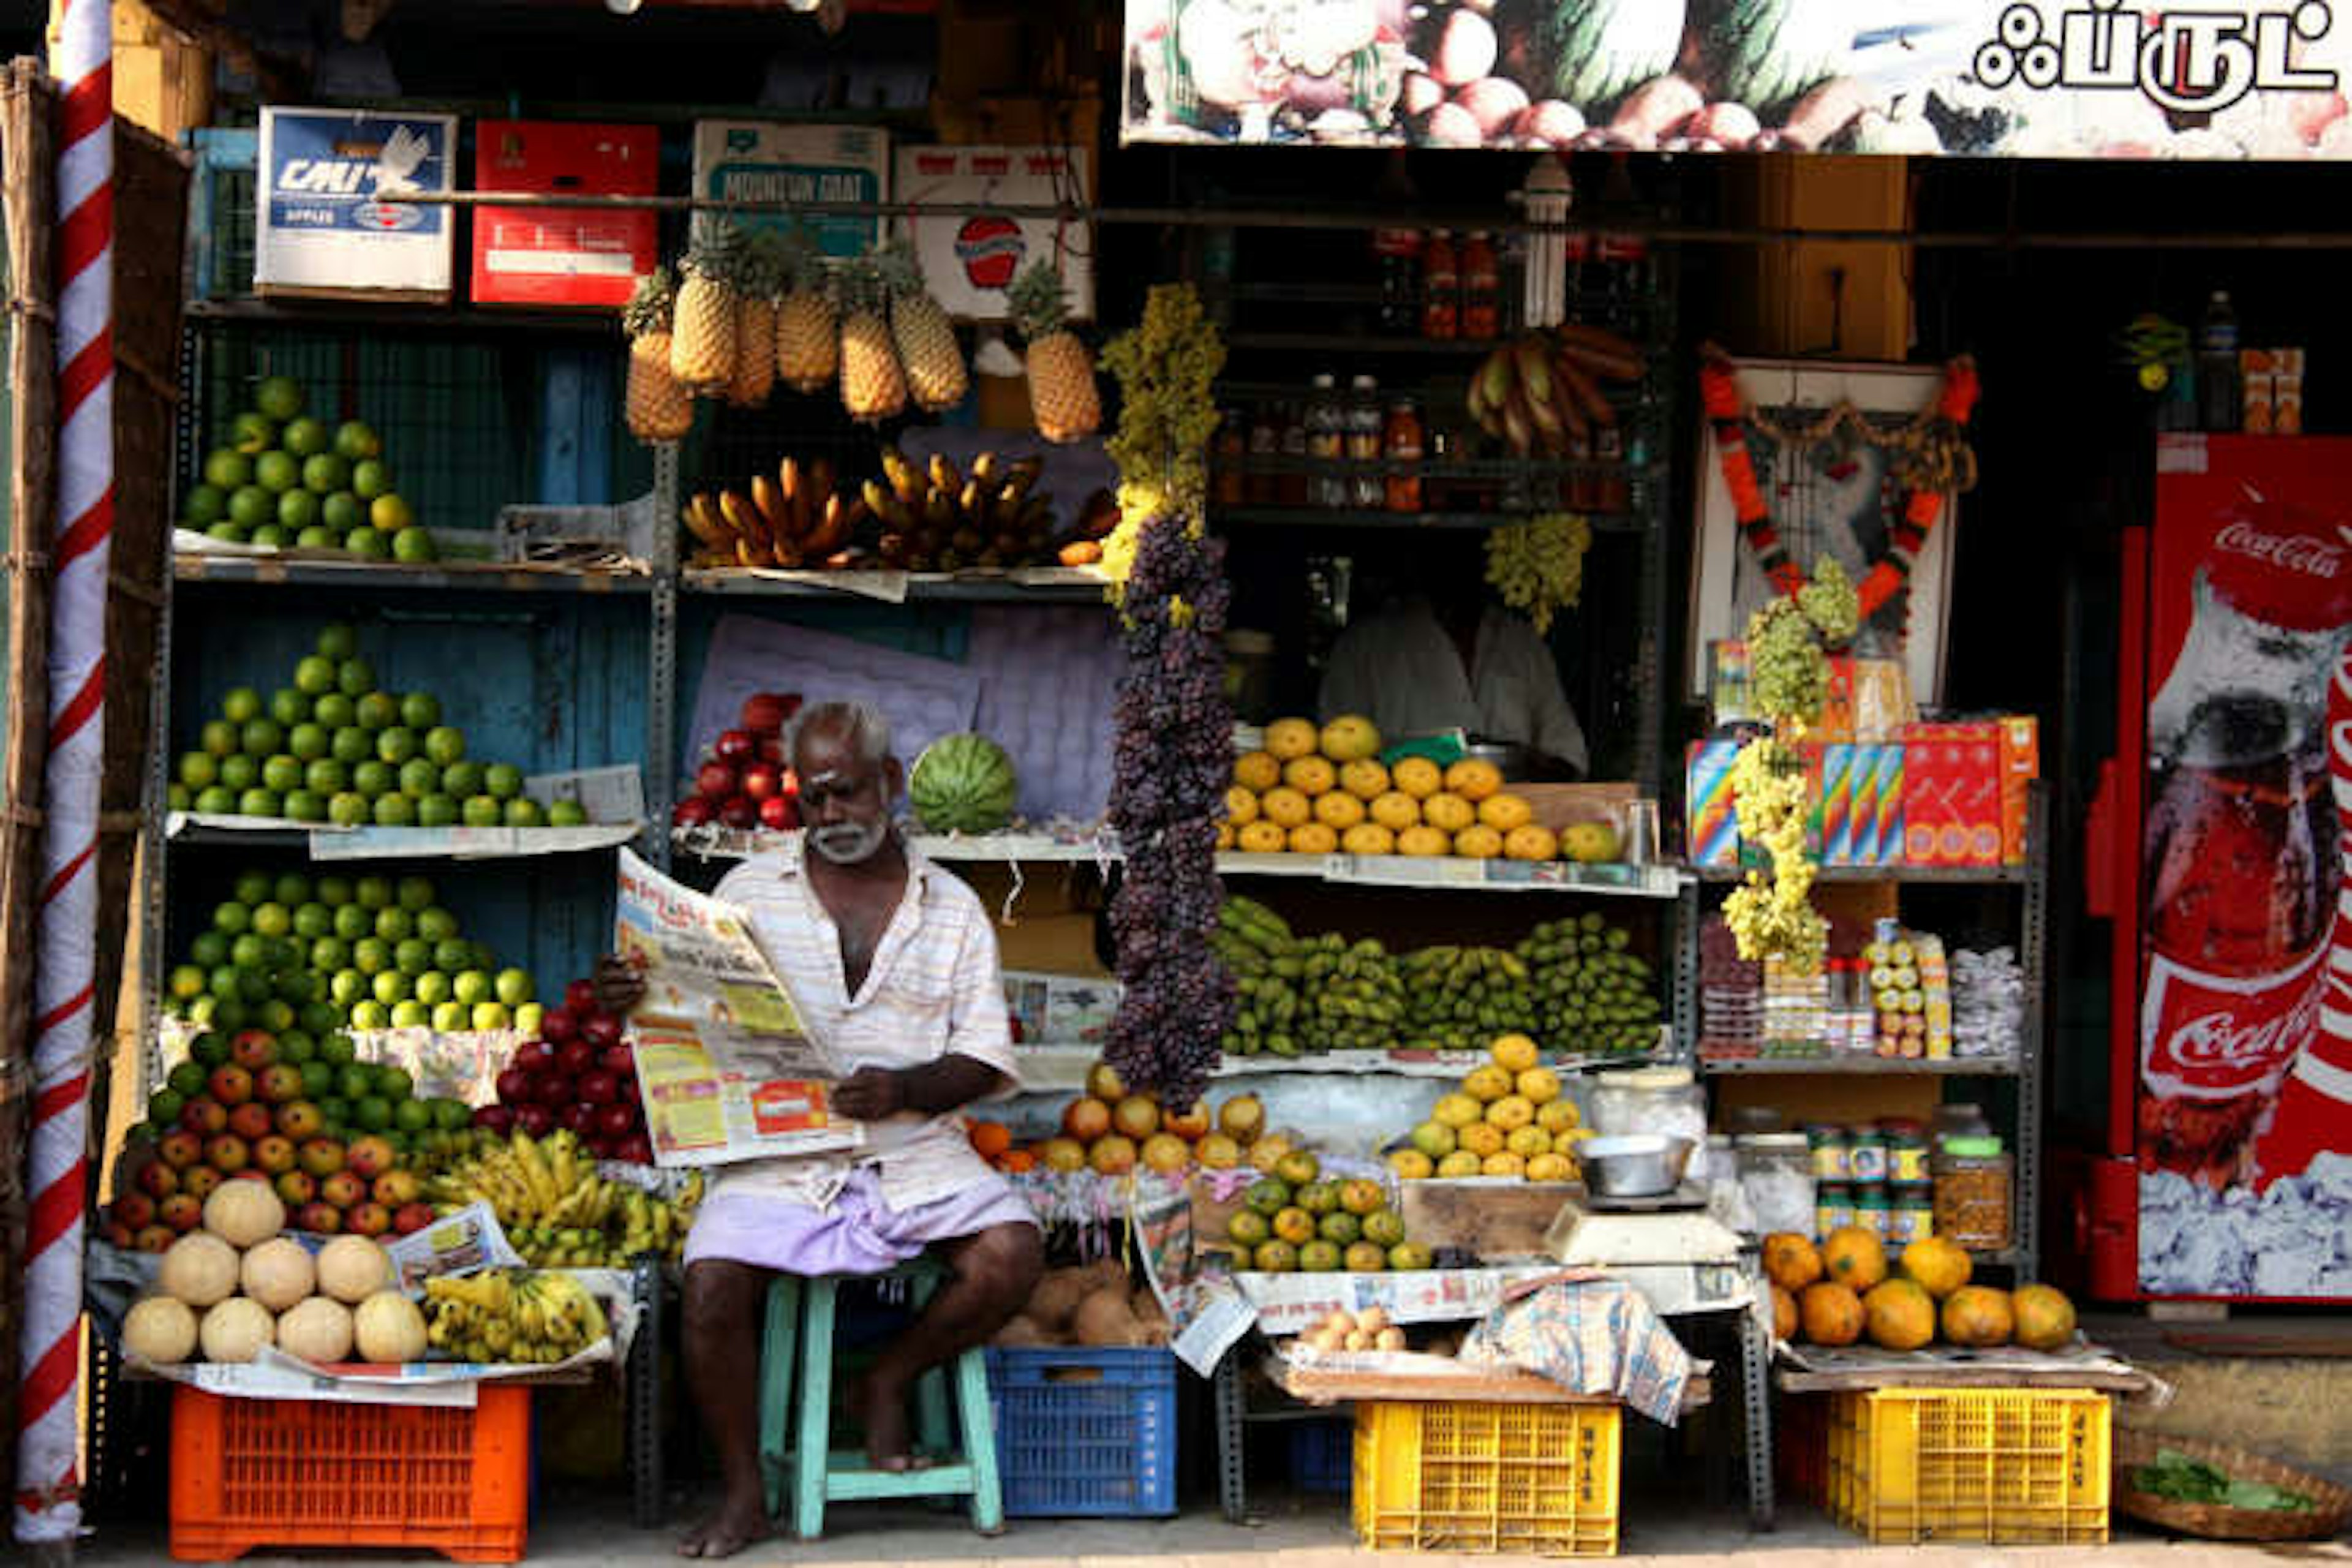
576 1057
576 1117
619 1060
537 1120
779 813
694 811
715 780
615 1120
637 1149
599 1087
515 1086
735 746
559 1028
601 1030
739 811
579 998
763 780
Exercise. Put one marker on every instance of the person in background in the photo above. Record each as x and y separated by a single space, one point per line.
1441 654
894 965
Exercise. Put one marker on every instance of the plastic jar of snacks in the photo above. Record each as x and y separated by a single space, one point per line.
1973 1178
1665 1101
1776 1174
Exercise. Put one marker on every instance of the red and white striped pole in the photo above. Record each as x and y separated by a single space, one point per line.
2313 1115
49 1493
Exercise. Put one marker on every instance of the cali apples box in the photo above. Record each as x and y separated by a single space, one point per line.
970 261
330 221
754 161
564 256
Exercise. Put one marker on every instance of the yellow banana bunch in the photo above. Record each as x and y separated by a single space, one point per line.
512 1315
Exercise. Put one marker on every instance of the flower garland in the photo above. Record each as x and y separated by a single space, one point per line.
1931 457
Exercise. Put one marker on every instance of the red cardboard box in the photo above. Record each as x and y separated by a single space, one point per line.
564 256
1952 795
2021 764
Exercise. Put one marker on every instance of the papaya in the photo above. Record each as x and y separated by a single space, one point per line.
1854 1257
1830 1313
1977 1316
2043 1317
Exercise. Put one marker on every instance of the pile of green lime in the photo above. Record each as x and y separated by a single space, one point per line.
304 957
333 747
289 480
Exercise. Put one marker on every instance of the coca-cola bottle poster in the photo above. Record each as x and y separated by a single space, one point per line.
2243 1128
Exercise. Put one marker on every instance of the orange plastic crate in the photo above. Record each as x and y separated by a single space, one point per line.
249 1473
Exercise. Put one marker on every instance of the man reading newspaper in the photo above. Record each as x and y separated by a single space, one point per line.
894 963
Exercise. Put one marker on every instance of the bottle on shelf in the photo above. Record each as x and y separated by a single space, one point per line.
1481 315
1621 256
1327 443
1291 488
1366 490
2220 407
1397 254
1229 485
1441 284
1258 486
1401 443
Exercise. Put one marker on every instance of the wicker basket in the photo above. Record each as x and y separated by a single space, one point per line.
2213 1521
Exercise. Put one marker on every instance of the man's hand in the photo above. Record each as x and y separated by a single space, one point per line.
871 1094
619 987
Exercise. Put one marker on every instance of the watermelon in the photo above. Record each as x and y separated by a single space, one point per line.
1770 52
1589 53
963 783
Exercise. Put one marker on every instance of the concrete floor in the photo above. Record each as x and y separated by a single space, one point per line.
590 1531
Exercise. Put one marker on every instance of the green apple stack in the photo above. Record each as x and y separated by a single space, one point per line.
289 480
305 957
333 747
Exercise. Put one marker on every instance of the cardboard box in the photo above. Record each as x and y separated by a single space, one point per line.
329 221
1838 763
1952 805
969 261
1495 1218
564 256
750 160
2021 764
1712 832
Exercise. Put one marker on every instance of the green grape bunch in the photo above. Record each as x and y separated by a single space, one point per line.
1166 367
1538 566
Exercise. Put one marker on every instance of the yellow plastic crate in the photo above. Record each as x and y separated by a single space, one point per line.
2002 1467
1529 1479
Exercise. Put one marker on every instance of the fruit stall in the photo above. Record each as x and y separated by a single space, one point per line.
1397 1105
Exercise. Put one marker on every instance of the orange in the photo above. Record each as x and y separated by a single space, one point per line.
1258 771
1264 838
1784 1314
1015 1161
1396 810
1295 1226
1486 1084
1062 1155
1219 1152
1511 1112
1419 840
1286 807
1241 805
1290 738
1338 811
1480 843
1313 838
1112 1156
1348 738
1528 1142
1538 1086
1516 1052
1166 1153
1531 841
1504 812
991 1139
1550 1168
1309 775
1460 1162
1366 837
1412 1165
1418 778
1364 778
1939 1267
1474 778
1448 813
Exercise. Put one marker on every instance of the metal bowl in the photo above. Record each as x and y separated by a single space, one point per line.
1633 1165
1511 759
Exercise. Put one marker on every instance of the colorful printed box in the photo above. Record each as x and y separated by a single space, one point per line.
1712 830
328 219
1952 805
1889 810
1837 762
2021 764
1862 839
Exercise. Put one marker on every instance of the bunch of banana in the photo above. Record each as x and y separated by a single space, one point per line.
798 518
935 518
512 1315
556 1211
1540 392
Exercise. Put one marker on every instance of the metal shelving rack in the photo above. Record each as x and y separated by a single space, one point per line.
2031 881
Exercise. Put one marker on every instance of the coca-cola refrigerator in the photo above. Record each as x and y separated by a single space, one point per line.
2219 851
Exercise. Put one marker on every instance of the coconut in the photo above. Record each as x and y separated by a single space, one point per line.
1103 1318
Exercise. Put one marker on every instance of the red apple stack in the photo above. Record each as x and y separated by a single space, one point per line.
580 1074
744 783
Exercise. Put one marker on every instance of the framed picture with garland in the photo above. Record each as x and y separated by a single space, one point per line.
1862 463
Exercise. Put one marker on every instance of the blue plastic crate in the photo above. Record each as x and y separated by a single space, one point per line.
1323 1455
1085 1431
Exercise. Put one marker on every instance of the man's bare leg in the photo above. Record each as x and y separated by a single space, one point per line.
726 1305
994 1271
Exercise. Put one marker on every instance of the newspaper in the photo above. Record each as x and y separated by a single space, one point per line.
727 1070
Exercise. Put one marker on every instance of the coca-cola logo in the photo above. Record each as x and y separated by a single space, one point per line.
2221 1040
2215 1035
2288 551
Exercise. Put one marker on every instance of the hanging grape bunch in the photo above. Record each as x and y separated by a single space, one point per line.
1165 367
1787 641
1172 753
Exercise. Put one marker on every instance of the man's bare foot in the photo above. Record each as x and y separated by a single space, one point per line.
879 1406
727 1532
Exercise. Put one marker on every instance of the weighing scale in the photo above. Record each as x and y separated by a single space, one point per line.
1668 1248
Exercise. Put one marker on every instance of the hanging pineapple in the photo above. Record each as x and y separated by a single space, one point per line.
657 408
759 279
873 385
1062 395
702 345
808 338
926 338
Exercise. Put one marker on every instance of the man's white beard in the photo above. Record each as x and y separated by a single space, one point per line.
847 843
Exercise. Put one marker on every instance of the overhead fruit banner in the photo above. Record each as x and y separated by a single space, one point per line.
2005 79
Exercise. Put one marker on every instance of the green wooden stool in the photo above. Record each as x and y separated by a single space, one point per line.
800 1317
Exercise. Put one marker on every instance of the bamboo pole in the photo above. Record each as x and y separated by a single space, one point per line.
28 190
